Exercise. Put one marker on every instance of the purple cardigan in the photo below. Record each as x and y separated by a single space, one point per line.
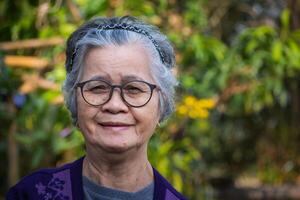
65 183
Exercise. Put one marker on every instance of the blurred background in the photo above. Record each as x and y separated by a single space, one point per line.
236 130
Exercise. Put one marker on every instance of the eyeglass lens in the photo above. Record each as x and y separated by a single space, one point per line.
134 93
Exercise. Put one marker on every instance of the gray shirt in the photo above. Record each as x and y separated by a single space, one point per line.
93 191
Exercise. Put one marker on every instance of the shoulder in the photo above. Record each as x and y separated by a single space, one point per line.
164 190
46 183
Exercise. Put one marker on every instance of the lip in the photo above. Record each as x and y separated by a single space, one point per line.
115 126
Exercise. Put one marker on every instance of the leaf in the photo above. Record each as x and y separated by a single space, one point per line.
37 156
295 35
251 46
178 183
277 51
24 139
285 19
163 166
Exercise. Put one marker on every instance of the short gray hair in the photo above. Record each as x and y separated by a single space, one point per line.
91 35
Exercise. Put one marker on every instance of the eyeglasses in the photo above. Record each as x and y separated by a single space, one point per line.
134 93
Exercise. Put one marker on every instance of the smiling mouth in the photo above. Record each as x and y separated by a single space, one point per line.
116 125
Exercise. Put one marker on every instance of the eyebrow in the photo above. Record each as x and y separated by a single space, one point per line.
99 77
123 80
131 78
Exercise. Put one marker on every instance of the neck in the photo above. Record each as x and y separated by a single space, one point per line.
128 171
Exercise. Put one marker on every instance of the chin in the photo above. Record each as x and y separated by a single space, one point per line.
116 148
117 145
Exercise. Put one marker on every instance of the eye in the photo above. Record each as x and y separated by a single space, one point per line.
96 87
99 89
134 88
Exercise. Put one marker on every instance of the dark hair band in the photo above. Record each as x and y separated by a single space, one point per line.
127 27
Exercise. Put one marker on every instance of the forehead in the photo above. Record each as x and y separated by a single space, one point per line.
117 62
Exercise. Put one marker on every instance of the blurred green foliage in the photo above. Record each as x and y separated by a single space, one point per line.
253 81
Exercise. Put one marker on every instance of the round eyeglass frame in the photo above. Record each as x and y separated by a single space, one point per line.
112 88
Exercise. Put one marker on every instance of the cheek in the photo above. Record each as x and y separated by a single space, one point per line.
85 113
148 118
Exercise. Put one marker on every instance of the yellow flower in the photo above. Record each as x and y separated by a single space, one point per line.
195 108
199 113
203 114
193 114
189 100
182 110
207 103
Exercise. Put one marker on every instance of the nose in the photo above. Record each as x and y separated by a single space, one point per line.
115 103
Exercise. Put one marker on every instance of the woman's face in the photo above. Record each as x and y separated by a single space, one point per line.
114 126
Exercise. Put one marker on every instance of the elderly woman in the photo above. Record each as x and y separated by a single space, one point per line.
119 86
